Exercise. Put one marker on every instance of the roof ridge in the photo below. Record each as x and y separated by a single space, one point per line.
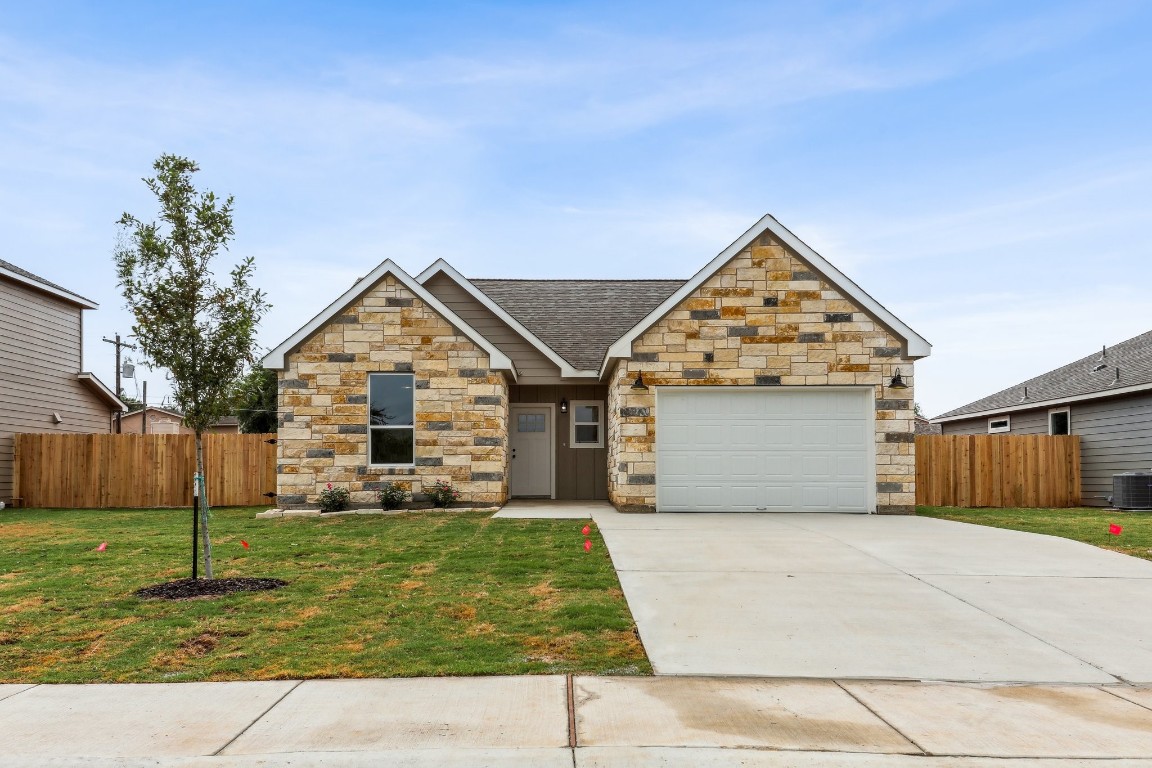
1113 356
580 279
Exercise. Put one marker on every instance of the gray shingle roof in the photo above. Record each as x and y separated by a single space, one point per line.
37 279
1133 357
579 319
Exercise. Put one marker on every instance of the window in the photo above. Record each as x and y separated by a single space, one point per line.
587 424
1059 421
391 407
999 424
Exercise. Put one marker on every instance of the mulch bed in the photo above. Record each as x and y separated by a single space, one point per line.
189 589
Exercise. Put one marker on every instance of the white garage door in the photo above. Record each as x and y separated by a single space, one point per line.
750 449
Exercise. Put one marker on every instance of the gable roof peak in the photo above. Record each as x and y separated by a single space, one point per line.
276 358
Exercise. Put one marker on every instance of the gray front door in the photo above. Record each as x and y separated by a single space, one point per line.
531 448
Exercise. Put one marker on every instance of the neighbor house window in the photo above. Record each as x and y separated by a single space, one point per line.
999 424
391 426
587 424
1059 421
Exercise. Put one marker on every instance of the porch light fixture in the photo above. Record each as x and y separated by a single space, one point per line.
897 381
639 385
563 405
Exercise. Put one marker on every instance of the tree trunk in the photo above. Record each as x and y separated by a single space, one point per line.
207 541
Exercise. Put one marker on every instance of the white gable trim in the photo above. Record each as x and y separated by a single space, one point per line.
917 346
59 293
275 359
566 369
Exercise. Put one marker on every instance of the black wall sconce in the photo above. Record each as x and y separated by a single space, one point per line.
563 405
639 385
897 381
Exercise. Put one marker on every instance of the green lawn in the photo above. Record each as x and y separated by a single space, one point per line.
1086 524
410 595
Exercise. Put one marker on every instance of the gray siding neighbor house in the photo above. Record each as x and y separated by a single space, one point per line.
767 381
43 385
1104 398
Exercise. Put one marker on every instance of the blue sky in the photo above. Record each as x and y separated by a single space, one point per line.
984 169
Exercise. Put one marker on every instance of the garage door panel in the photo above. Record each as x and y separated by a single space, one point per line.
817 435
745 448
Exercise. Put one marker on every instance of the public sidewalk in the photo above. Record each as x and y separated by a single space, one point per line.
545 721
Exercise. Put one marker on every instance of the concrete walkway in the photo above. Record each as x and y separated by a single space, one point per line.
587 721
865 596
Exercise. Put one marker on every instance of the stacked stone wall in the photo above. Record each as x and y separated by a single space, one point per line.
765 319
461 407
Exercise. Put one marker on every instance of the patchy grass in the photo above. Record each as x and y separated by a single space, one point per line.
1086 524
433 593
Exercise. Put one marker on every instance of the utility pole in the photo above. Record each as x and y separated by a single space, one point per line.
118 344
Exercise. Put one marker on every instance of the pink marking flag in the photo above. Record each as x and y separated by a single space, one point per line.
103 546
586 530
587 545
1115 529
244 543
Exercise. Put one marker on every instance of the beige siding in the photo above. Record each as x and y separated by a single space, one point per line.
40 355
532 366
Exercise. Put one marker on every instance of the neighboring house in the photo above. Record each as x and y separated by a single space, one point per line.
160 421
43 387
1104 398
761 383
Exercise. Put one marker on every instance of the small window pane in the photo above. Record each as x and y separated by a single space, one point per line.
1059 423
391 399
391 446
586 413
587 433
530 422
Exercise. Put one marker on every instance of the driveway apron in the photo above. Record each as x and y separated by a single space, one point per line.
865 596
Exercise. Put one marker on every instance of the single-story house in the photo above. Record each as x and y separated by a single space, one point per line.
43 384
1104 398
162 421
766 381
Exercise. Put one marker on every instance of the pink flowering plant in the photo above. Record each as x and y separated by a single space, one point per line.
441 493
333 499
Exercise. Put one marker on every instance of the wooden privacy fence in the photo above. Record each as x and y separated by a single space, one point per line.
998 470
110 471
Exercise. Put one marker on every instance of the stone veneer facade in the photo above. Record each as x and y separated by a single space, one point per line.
461 409
766 318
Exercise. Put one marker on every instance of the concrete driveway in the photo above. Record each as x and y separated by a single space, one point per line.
855 596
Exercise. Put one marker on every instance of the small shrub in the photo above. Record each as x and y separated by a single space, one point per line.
392 495
333 499
441 493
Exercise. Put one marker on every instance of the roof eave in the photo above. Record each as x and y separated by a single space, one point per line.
276 358
103 390
59 293
567 370
915 345
1052 402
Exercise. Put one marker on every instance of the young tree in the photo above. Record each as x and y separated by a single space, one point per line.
256 401
202 331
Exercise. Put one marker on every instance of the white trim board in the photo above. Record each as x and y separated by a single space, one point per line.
916 345
275 359
60 293
1045 403
567 371
101 389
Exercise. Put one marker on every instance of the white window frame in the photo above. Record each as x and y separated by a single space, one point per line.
572 423
371 426
1006 418
1065 409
